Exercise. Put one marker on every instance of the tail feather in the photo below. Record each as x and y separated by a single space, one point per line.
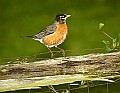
28 36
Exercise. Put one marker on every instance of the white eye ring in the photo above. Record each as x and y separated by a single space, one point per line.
61 16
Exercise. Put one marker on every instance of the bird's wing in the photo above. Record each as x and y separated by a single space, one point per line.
47 31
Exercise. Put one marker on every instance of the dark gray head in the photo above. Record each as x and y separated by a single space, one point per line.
61 18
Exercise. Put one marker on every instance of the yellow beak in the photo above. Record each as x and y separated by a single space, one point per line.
67 16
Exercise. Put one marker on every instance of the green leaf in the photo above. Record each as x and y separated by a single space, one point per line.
115 43
101 25
83 82
108 48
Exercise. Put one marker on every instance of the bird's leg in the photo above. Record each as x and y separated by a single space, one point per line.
62 50
50 52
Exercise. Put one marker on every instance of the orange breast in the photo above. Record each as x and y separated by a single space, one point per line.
57 37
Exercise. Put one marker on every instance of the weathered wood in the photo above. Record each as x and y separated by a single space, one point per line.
94 66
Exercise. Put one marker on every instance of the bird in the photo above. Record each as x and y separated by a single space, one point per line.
54 34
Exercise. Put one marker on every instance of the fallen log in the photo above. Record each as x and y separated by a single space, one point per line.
101 67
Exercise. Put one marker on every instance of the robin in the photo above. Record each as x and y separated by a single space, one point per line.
54 34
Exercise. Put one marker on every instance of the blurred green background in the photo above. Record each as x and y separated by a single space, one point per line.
28 17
